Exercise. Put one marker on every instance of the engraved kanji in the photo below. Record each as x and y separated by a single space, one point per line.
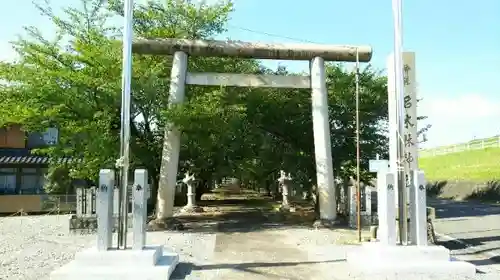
407 101
409 140
408 157
406 75
408 121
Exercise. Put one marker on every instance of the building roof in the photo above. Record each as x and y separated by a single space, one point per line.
25 156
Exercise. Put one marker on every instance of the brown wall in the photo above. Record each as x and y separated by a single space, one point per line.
12 137
24 203
11 204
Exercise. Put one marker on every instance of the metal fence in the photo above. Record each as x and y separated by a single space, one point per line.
493 142
58 203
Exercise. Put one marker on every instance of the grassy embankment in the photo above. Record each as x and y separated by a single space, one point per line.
469 174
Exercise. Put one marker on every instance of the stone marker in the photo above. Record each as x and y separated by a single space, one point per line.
284 181
420 202
366 205
105 209
107 263
191 206
139 209
387 259
386 184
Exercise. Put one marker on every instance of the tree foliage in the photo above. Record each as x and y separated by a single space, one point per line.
73 81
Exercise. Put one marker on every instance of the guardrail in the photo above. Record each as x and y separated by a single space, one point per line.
493 142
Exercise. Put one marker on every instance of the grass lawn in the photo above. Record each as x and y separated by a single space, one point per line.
473 165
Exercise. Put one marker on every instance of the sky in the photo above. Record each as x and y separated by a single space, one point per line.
457 46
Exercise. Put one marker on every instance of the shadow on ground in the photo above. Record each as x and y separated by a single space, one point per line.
184 269
465 190
469 243
244 216
447 208
487 261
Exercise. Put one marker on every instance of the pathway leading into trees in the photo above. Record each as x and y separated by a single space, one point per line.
254 242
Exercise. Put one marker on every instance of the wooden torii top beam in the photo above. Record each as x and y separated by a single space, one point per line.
257 50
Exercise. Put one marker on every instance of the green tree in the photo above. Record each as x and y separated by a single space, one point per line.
73 81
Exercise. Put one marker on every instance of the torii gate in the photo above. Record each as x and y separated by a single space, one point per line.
315 53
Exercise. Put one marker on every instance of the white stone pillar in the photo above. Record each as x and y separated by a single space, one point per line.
322 143
140 208
419 183
386 185
410 136
105 209
171 142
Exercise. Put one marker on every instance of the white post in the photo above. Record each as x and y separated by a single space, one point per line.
116 202
386 185
353 209
392 113
322 143
139 209
419 184
171 142
105 209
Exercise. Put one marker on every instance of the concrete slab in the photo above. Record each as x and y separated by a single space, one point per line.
437 269
152 264
374 250
146 257
391 261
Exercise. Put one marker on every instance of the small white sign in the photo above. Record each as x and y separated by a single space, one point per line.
377 165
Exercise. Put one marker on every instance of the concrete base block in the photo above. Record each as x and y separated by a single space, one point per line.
377 259
152 263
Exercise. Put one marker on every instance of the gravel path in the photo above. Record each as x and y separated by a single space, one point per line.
33 246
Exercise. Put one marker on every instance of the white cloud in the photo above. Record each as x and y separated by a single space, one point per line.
457 119
6 52
464 107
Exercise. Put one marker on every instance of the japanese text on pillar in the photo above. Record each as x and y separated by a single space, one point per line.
410 120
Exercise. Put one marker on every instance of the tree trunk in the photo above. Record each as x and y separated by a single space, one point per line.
153 177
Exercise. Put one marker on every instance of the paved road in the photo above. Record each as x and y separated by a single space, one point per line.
476 225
